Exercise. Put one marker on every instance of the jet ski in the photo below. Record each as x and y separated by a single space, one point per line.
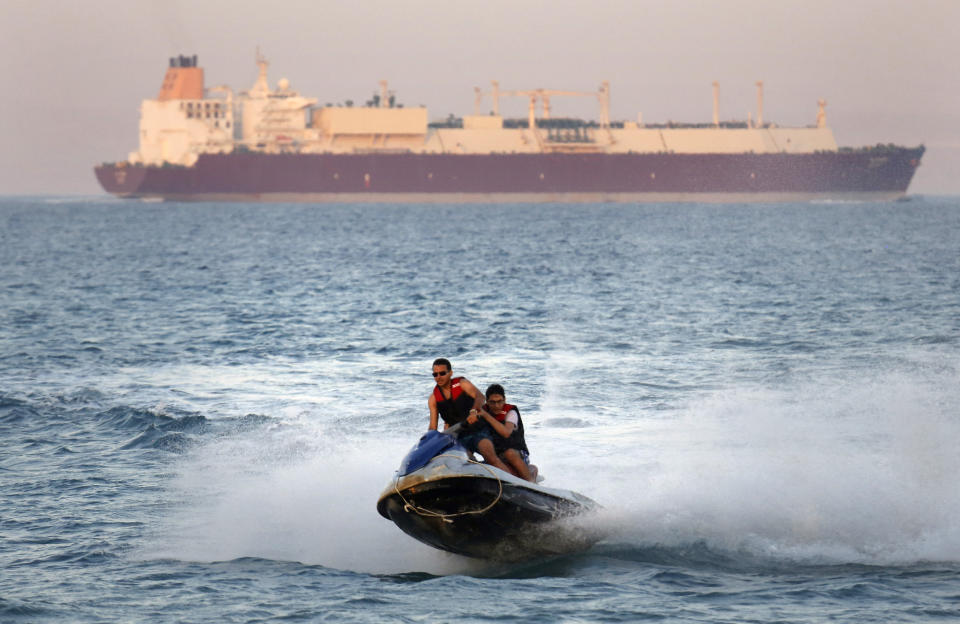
445 499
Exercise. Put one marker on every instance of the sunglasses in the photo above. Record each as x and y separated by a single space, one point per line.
441 374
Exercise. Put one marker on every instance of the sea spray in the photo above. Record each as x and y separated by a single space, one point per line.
859 470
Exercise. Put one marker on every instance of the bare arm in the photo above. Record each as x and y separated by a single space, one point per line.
471 389
434 415
502 428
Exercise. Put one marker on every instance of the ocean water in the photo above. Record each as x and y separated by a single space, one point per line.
200 404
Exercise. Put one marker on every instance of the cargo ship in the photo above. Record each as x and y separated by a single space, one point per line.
273 144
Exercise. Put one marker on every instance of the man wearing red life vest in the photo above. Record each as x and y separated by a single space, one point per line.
508 440
456 400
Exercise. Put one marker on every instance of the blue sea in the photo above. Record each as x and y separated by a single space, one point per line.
201 403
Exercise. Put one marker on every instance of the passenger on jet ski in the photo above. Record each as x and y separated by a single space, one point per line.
505 423
457 401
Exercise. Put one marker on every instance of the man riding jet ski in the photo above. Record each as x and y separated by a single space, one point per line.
445 499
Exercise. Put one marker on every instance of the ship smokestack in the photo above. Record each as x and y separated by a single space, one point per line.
716 104
183 80
759 103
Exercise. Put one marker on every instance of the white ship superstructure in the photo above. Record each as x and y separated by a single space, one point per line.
275 120
182 121
186 120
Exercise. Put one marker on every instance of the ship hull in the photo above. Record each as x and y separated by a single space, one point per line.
252 176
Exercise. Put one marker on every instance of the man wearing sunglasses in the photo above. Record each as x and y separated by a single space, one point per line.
456 400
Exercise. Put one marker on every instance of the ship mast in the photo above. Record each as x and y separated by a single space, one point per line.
716 104
759 103
261 88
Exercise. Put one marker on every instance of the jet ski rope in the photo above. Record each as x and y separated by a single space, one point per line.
422 511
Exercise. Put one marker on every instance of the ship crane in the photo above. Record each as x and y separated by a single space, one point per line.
544 95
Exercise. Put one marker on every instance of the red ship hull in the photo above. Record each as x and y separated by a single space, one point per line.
876 173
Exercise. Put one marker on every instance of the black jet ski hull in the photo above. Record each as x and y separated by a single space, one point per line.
442 498
518 523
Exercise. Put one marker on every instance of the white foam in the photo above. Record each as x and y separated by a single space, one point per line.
856 471
265 496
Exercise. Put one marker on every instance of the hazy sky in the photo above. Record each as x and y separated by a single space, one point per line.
77 71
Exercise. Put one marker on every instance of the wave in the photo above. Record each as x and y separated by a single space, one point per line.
697 566
13 410
155 438
66 419
159 430
91 555
76 199
125 417
17 609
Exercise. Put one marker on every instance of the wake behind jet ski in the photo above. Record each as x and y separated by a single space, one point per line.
447 500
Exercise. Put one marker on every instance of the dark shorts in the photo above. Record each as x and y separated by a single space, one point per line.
471 439
501 444
524 455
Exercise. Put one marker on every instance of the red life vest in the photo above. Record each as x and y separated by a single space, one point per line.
502 415
457 407
516 439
